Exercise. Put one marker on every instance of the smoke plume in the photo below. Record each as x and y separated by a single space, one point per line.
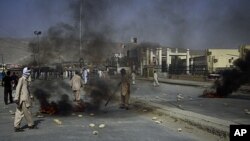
233 79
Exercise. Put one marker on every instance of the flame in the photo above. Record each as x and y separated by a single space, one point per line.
211 94
49 109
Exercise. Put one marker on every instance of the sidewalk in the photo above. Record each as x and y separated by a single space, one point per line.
181 82
211 114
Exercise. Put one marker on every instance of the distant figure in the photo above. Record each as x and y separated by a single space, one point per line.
100 73
23 99
7 88
66 74
76 84
85 75
14 79
133 77
125 90
156 83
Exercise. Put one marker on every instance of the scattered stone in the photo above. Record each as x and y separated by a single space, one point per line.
246 111
11 112
79 116
95 132
154 118
179 129
73 114
179 97
157 97
57 121
158 121
92 125
179 106
145 110
102 125
91 114
40 116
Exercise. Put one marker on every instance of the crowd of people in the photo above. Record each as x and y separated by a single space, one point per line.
23 98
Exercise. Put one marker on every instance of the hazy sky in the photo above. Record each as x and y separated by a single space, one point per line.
194 24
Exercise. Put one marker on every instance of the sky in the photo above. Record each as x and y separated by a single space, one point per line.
194 24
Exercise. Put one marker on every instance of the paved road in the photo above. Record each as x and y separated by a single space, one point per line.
121 125
231 109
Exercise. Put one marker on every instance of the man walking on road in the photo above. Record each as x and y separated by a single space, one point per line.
156 83
125 90
76 84
133 77
23 99
7 88
85 75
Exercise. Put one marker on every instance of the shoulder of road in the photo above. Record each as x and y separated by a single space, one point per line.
216 114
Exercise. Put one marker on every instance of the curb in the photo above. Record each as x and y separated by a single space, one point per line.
209 124
195 84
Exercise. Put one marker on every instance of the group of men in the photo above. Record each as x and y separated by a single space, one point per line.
23 98
76 84
9 83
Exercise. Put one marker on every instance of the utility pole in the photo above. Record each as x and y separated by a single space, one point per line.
37 33
80 54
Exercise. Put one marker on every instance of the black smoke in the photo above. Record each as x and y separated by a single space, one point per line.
99 91
53 94
60 43
233 79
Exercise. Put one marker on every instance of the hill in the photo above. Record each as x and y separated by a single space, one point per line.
14 50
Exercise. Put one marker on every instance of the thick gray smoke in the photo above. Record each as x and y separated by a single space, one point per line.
55 95
180 23
59 44
233 79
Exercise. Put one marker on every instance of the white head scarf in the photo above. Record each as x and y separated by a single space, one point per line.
26 72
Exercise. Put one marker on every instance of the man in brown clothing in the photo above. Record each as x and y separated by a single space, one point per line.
76 84
125 90
23 99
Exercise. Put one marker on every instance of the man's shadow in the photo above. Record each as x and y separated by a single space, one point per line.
36 123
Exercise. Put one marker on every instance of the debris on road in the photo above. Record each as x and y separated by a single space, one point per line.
91 114
154 118
102 125
179 129
246 111
179 97
40 116
11 112
92 125
79 116
73 114
158 121
144 110
57 121
95 132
